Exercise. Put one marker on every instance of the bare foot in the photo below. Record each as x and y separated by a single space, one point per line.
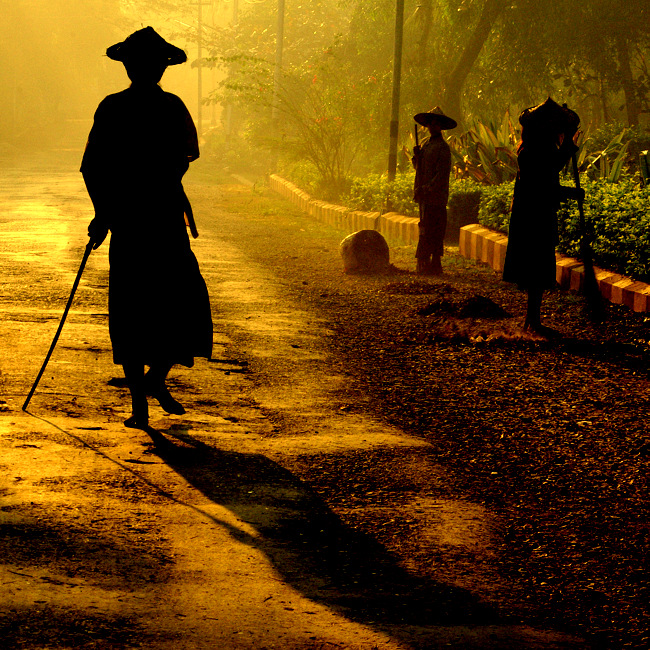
168 403
542 330
137 422
140 410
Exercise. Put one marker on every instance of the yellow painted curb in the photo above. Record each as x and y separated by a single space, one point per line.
489 246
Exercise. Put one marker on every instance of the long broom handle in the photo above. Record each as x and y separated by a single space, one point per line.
591 288
584 244
89 248
581 207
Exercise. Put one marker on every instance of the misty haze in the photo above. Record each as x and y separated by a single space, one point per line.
324 324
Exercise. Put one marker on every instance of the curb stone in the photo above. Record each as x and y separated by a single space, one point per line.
391 224
475 242
488 246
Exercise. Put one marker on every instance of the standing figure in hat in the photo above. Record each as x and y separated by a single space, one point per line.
138 150
432 162
547 144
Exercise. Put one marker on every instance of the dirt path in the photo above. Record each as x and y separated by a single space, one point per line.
208 534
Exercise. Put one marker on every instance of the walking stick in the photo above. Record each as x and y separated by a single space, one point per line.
89 248
590 285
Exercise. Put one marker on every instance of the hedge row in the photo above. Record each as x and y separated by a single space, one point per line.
618 214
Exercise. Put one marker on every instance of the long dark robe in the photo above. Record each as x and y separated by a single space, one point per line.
533 233
139 147
431 192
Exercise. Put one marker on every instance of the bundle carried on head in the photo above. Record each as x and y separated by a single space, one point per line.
549 116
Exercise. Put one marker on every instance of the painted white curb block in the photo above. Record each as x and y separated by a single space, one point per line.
476 242
391 225
479 243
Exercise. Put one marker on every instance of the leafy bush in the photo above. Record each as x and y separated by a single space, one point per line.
367 193
486 153
232 154
638 138
464 193
370 193
494 210
617 213
304 174
612 152
619 216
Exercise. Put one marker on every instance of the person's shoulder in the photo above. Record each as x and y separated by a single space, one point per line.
113 100
174 100
175 105
110 106
437 146
115 97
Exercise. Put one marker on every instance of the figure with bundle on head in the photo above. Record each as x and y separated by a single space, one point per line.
548 139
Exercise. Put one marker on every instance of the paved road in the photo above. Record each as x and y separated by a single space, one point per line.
203 536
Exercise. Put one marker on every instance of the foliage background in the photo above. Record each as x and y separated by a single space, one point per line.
477 59
321 118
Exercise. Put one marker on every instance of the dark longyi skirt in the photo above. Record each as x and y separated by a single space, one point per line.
159 308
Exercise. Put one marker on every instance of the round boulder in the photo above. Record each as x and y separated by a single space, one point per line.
365 251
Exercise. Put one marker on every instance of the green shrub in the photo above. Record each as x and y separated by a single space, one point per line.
637 137
619 217
304 175
612 152
464 193
463 206
486 153
233 154
617 214
370 193
494 211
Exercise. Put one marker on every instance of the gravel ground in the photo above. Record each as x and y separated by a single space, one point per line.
551 435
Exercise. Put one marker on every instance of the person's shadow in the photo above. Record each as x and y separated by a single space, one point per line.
311 548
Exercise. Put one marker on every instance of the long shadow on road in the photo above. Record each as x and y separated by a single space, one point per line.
311 548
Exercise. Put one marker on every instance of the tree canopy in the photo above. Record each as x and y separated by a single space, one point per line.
477 59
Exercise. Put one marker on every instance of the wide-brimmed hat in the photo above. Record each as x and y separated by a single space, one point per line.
435 115
146 43
550 115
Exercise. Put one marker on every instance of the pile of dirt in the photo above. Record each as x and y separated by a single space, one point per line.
475 306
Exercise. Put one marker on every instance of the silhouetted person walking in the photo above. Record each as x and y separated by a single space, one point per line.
138 150
547 135
432 162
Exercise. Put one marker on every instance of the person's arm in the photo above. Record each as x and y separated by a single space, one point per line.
93 170
98 228
416 156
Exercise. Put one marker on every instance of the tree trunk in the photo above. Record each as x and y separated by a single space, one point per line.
427 22
492 9
627 80
603 100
